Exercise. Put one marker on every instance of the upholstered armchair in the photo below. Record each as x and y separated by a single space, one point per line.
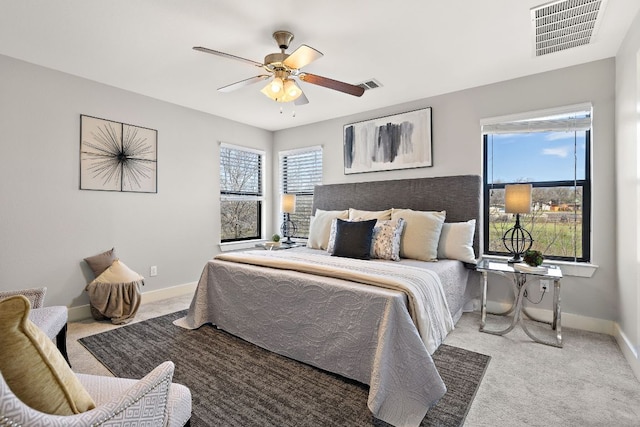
151 401
38 388
52 320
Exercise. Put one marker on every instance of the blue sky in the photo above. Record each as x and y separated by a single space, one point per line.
540 156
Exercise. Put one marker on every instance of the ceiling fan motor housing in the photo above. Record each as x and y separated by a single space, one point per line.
283 38
276 59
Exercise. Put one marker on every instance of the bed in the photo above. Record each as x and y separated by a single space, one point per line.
290 303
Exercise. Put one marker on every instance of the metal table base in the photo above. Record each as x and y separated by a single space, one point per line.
519 283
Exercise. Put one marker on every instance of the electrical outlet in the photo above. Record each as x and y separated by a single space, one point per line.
545 285
153 271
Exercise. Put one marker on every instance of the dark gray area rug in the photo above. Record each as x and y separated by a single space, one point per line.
236 383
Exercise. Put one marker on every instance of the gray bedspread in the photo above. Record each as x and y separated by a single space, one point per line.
356 330
426 302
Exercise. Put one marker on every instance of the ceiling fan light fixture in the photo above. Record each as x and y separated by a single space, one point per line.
276 85
288 90
291 89
269 93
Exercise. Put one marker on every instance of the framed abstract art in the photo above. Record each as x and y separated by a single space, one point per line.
117 156
400 141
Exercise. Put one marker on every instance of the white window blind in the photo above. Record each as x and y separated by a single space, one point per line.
564 119
240 173
300 172
550 124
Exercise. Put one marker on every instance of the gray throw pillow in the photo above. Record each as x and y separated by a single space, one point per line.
99 263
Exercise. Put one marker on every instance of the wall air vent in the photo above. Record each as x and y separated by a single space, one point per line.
565 24
370 84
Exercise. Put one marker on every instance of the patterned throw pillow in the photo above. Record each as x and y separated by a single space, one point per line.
332 236
386 239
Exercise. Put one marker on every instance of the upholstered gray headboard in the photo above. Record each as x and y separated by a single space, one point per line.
459 195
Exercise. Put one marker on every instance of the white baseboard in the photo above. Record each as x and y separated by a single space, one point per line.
629 351
84 312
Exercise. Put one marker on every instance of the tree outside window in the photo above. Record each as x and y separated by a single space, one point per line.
241 193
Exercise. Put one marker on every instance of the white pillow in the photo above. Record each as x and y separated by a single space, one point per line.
355 214
456 241
320 227
421 233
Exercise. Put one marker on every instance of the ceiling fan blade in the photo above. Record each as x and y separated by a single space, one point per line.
243 83
227 55
331 84
302 56
301 100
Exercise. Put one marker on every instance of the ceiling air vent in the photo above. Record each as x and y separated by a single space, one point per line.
370 84
565 24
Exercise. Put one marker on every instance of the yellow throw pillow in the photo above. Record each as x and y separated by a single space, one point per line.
33 367
118 272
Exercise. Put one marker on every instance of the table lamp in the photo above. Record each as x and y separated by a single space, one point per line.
517 240
288 206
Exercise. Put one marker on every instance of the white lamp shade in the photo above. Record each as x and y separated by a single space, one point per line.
282 90
517 198
275 95
292 91
288 203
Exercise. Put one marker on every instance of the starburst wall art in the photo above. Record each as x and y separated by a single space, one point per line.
117 157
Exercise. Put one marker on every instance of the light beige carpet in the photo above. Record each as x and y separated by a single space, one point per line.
586 383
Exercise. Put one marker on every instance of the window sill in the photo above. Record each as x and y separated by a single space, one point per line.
569 268
236 246
250 244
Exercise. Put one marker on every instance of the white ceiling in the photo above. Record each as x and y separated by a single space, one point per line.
415 48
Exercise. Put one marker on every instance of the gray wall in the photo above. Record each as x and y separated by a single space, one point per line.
47 225
457 149
628 183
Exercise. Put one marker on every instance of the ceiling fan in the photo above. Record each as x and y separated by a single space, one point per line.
285 68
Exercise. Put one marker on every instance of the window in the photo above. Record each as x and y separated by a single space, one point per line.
550 151
240 193
300 171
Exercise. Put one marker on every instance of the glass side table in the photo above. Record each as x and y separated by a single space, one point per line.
520 280
279 247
